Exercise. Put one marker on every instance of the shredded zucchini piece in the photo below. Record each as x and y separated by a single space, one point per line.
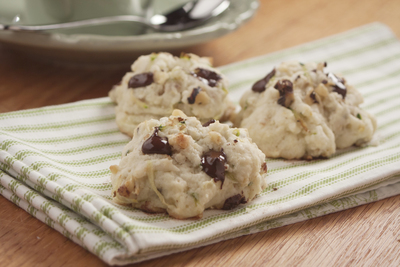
153 57
299 117
126 200
196 200
236 132
150 175
140 103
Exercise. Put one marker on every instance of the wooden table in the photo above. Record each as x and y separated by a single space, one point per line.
366 235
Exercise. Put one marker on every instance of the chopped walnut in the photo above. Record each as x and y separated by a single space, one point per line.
285 88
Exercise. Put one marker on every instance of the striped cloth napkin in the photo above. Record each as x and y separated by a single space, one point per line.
54 161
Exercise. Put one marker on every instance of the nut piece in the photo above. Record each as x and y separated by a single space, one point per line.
114 169
181 140
264 167
215 137
178 113
202 98
285 88
124 191
321 90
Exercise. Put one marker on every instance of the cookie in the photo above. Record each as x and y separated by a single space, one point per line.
299 111
160 83
180 166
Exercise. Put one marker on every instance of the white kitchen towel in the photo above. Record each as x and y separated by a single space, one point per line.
54 161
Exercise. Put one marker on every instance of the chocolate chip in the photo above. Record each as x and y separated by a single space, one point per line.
259 86
192 98
233 202
339 86
324 81
235 141
207 76
325 64
156 144
141 80
208 123
313 97
285 88
213 163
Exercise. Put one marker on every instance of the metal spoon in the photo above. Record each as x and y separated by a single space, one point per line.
187 16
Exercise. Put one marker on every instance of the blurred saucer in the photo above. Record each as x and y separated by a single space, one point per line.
97 48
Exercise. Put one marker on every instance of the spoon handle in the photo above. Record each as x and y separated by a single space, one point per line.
77 24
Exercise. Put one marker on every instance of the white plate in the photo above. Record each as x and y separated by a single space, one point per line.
112 49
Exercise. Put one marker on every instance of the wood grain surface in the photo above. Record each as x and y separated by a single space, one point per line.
368 235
